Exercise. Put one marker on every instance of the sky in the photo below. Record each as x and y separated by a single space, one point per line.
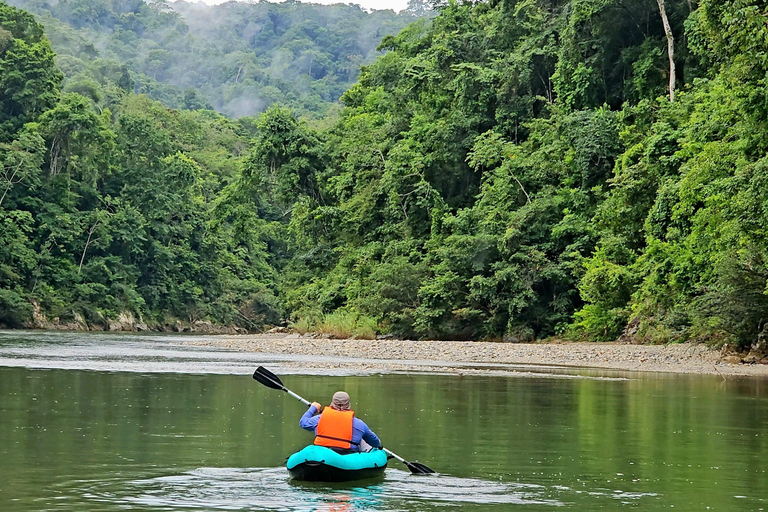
395 5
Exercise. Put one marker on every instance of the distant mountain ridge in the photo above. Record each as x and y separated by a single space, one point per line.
237 58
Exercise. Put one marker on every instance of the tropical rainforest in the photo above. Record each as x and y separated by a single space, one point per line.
505 169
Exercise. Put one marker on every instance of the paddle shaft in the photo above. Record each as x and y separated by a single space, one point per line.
297 397
389 452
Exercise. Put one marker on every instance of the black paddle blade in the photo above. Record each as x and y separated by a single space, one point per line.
268 378
418 469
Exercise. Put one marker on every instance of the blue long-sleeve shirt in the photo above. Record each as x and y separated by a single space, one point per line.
359 429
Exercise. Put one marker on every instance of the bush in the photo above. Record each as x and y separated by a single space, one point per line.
303 325
14 310
735 308
343 324
593 323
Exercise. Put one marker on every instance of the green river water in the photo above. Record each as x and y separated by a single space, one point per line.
99 422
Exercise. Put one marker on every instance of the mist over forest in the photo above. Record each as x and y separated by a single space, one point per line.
236 58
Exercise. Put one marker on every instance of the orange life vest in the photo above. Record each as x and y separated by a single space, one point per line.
334 430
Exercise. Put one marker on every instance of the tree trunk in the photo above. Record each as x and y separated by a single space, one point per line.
87 243
11 183
670 48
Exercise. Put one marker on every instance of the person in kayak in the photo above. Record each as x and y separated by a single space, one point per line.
337 428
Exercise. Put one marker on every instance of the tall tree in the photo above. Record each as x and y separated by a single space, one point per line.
670 47
29 80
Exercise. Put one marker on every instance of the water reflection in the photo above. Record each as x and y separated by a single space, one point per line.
271 489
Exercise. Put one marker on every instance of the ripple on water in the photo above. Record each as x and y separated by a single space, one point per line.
271 489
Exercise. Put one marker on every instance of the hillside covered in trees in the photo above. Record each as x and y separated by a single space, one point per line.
511 170
237 58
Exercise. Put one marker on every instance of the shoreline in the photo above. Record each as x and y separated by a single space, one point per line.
457 356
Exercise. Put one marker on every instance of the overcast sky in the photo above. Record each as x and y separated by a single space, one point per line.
395 5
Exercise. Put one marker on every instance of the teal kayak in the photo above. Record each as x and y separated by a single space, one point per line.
321 464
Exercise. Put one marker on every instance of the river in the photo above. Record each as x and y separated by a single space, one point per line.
131 422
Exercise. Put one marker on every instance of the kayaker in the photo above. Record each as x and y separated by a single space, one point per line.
337 428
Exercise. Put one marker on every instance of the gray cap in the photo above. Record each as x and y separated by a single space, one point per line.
340 401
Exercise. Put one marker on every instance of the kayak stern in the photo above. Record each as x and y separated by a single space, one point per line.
320 464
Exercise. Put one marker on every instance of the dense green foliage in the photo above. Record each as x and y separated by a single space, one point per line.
515 170
237 58
107 212
510 170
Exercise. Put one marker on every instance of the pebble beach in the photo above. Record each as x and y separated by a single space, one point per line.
479 357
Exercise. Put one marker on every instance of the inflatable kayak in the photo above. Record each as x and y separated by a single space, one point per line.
320 464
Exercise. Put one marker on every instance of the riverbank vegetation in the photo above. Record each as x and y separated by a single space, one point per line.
510 170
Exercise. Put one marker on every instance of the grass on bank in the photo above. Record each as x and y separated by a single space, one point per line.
340 324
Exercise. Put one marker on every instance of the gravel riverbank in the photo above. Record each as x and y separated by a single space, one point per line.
456 356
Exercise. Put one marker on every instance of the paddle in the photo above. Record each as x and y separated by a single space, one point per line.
271 380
